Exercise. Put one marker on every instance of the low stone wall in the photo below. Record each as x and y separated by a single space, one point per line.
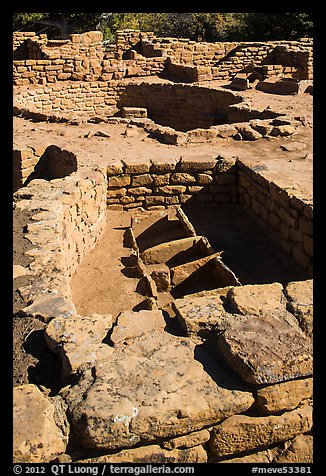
135 53
70 216
24 161
166 103
286 217
156 184
76 97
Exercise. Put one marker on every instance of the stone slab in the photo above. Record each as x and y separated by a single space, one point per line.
283 396
132 324
241 433
40 426
265 350
164 252
152 454
152 389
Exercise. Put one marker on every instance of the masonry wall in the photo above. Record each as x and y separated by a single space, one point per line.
287 218
167 104
83 57
159 184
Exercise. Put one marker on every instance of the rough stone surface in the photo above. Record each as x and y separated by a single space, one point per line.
165 251
300 303
151 389
257 299
241 433
300 450
260 300
79 340
131 324
283 396
183 271
153 454
199 314
187 441
264 350
40 426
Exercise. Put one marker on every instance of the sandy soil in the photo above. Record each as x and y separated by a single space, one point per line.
103 283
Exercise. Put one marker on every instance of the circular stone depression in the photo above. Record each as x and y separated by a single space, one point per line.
181 106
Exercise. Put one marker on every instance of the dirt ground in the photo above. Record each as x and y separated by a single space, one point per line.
104 266
103 282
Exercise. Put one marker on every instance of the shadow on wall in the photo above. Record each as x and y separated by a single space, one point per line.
54 163
28 50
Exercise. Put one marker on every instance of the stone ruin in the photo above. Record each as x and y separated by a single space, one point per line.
213 364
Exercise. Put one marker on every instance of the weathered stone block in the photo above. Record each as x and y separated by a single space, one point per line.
182 178
151 389
41 428
283 396
172 189
241 433
153 454
257 299
197 163
140 180
133 324
265 350
119 181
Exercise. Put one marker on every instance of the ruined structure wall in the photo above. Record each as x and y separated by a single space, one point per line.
156 184
287 218
166 104
83 57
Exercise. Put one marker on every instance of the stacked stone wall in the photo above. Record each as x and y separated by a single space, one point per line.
289 219
84 57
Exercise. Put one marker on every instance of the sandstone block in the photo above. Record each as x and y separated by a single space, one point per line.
160 180
282 131
204 179
41 428
153 454
266 350
49 307
241 433
78 330
139 191
133 324
187 441
183 271
151 389
197 163
283 396
159 165
141 180
135 167
163 252
172 189
300 303
248 132
161 275
225 130
155 200
257 299
300 450
133 111
200 313
119 181
182 178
